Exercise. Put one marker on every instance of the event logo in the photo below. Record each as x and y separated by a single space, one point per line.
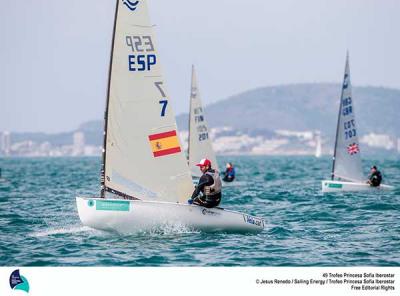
18 282
131 5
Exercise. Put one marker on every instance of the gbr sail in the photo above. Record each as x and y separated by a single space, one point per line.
143 156
347 160
200 145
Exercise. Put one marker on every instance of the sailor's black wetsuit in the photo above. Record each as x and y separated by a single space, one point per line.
375 178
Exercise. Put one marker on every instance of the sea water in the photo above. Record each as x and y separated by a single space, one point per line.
40 226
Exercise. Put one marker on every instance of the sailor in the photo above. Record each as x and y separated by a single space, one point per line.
209 185
230 173
375 177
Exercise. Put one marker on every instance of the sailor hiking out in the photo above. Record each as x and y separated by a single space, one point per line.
209 185
375 177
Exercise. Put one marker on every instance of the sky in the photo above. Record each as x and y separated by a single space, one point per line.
54 55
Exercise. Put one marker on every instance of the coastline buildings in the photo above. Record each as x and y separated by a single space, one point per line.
226 140
37 147
382 141
229 141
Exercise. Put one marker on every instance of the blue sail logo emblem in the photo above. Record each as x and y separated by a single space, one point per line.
132 5
345 81
18 281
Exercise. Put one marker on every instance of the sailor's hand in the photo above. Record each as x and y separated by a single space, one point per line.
190 201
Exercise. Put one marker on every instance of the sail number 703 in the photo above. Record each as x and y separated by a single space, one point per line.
350 129
163 101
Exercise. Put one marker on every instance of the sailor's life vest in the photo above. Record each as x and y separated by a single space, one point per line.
215 189
231 172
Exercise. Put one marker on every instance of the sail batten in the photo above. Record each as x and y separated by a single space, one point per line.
346 159
200 145
143 158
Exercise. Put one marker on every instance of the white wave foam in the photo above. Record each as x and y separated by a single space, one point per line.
170 229
63 230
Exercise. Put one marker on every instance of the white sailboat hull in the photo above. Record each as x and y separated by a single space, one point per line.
341 186
131 216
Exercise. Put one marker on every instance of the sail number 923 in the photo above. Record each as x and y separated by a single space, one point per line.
144 57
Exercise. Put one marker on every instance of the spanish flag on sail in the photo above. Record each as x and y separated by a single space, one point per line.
164 143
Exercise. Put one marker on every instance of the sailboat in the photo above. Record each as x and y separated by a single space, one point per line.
347 173
145 179
200 145
318 144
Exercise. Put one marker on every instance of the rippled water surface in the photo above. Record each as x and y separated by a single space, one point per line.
39 224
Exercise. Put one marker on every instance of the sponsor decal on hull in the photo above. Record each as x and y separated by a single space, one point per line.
253 220
110 205
208 212
335 185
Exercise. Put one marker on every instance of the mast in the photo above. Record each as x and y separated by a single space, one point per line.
338 121
103 165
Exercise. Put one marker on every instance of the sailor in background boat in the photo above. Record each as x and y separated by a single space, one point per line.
230 173
375 177
1 178
209 185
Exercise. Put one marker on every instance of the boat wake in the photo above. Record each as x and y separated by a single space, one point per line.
234 184
168 229
63 230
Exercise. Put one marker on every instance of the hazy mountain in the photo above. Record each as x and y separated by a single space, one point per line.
303 107
261 111
93 131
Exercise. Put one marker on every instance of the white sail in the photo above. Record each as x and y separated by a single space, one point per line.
318 144
347 160
143 155
200 145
